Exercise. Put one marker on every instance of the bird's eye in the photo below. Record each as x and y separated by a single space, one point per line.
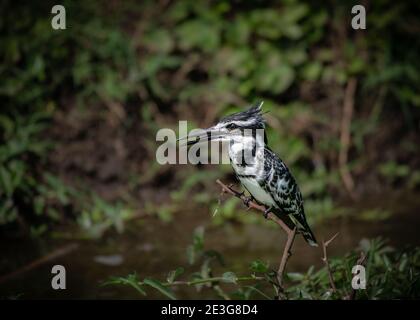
231 126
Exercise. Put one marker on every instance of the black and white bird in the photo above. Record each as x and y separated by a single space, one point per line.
262 173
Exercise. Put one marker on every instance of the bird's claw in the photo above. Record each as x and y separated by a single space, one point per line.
266 212
246 200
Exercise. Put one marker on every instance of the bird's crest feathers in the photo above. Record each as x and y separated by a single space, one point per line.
250 118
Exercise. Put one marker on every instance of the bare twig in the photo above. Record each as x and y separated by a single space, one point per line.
291 233
327 264
286 255
345 136
36 263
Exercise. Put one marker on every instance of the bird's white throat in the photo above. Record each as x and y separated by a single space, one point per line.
247 155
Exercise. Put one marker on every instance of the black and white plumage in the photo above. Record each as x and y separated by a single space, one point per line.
262 173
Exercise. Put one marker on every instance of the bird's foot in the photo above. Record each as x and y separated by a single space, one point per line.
246 200
266 212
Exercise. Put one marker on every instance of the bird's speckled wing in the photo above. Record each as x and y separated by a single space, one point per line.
280 183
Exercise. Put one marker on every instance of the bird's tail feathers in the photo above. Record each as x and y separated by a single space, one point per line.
304 229
309 237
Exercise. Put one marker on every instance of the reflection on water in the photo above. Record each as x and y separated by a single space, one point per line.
152 248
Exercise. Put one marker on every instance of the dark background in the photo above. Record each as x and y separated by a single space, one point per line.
80 108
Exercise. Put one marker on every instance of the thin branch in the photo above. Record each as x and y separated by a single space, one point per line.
208 280
327 264
291 233
253 205
286 255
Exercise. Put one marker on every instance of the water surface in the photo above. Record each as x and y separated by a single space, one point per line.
151 248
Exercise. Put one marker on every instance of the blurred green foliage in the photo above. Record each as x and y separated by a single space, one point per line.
390 274
40 69
18 148
150 64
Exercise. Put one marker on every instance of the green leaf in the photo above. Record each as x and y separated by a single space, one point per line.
229 277
403 263
190 254
161 288
274 75
198 34
295 276
197 246
130 280
312 70
198 240
172 275
259 266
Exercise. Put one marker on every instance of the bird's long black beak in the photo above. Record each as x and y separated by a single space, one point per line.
201 136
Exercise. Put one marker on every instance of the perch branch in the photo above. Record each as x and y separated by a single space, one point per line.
327 264
286 255
291 233
253 205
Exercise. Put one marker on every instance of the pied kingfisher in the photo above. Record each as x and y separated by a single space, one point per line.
263 174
